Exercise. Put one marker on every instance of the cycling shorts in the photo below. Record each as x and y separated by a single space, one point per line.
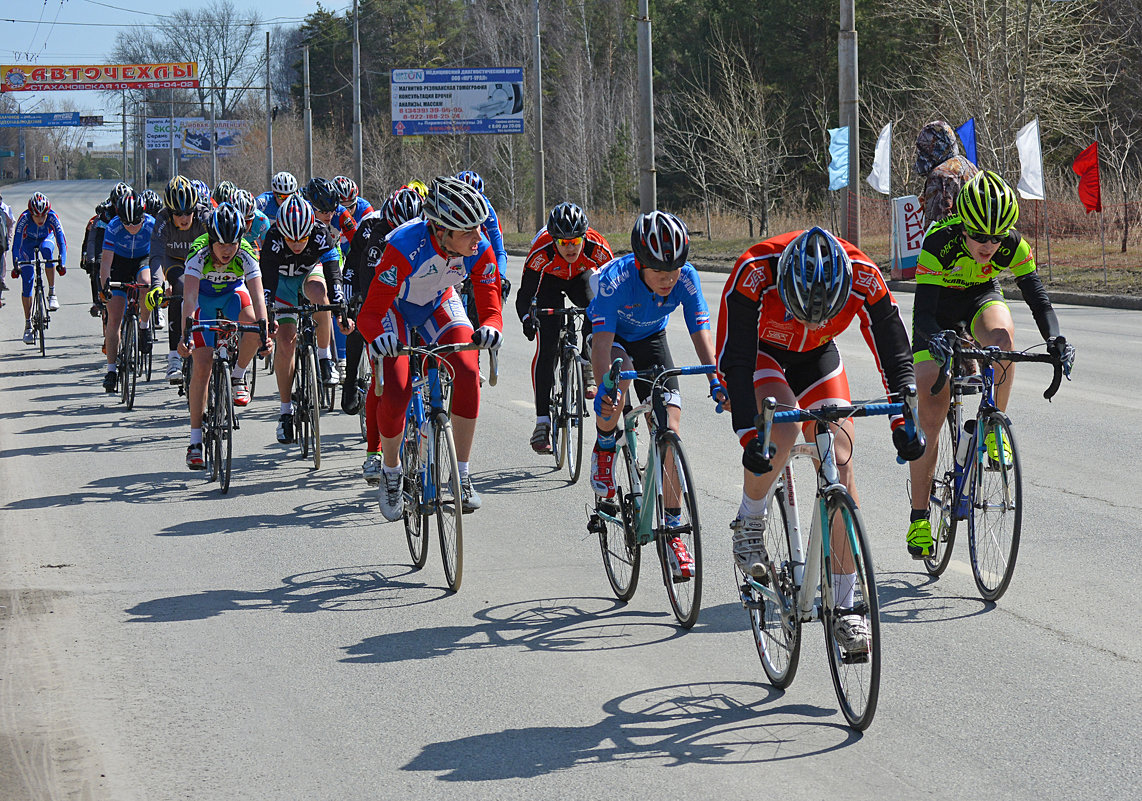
125 271
290 292
814 377
227 306
958 306
47 249
646 353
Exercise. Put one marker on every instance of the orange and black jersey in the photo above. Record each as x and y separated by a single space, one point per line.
753 317
545 258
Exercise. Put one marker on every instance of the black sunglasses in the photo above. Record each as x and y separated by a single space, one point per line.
984 239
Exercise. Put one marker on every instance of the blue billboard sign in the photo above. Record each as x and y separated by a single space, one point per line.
39 120
452 101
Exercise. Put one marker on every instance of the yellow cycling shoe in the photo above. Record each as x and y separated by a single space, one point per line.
993 451
920 539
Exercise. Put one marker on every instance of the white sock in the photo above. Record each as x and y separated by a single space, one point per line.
324 353
750 507
238 372
463 468
544 419
196 436
844 585
287 408
111 368
391 470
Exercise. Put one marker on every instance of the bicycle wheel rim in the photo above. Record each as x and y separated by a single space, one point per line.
314 411
225 418
252 375
449 517
997 512
857 682
685 596
555 412
778 640
942 501
415 520
300 403
622 555
41 316
573 419
210 428
130 365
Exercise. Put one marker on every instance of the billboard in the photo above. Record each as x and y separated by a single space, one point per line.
451 101
31 78
192 135
64 118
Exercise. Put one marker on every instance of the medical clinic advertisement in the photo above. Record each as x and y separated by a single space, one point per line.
457 101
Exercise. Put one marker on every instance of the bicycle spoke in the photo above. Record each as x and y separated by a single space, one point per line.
997 495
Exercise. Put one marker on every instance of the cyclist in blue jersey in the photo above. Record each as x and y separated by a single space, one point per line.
38 229
351 198
633 298
255 223
282 185
126 249
490 229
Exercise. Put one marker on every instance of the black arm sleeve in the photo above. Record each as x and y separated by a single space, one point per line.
924 322
1041 309
268 265
892 348
526 290
739 358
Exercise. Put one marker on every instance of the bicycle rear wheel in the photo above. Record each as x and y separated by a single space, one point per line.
415 516
942 501
555 410
684 593
449 512
616 520
856 674
776 627
997 508
572 415
224 424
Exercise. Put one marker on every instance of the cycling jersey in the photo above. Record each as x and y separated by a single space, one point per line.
277 259
544 257
219 279
365 251
268 205
29 237
753 319
491 231
258 230
126 245
169 245
414 276
945 266
626 307
359 208
345 226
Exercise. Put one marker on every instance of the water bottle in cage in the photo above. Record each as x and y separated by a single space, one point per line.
965 442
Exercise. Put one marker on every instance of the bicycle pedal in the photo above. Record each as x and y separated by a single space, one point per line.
595 525
854 659
746 595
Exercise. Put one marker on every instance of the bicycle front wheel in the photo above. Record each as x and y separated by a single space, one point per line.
855 669
210 427
302 402
942 500
617 520
252 375
313 393
555 410
362 389
40 316
129 369
415 516
224 424
776 626
684 585
997 507
449 508
572 416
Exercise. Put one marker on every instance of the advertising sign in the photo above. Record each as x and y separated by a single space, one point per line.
32 78
451 101
907 236
65 118
192 135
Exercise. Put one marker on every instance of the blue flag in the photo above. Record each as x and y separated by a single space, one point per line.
839 153
966 132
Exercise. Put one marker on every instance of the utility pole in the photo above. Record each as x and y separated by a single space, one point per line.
269 119
850 116
540 202
647 184
124 135
174 165
358 153
308 116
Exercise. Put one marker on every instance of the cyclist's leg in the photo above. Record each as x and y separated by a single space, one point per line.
143 276
316 293
27 279
448 324
992 326
250 342
49 248
769 380
645 354
543 366
285 338
208 309
174 326
579 293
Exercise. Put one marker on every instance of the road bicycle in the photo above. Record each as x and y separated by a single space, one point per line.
307 389
129 361
219 420
654 499
798 586
40 315
977 476
568 408
430 469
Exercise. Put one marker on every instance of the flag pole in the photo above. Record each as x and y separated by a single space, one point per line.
1046 217
1102 242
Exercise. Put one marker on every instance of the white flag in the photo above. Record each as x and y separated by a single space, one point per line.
880 178
1030 184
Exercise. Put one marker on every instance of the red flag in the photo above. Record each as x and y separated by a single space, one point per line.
1086 167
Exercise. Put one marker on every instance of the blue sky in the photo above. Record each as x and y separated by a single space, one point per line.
83 32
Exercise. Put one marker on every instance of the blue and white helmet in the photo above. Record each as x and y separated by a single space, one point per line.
814 276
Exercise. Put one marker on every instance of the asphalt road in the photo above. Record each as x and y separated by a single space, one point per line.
160 641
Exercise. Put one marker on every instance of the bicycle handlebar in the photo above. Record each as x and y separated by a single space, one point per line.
994 354
437 352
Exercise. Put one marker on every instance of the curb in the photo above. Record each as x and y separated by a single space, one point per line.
1073 298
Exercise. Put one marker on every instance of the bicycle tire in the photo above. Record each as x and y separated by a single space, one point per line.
997 511
942 500
301 404
40 315
365 380
209 428
252 375
855 679
314 409
777 638
415 514
555 412
622 555
685 596
449 511
573 408
130 365
224 420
